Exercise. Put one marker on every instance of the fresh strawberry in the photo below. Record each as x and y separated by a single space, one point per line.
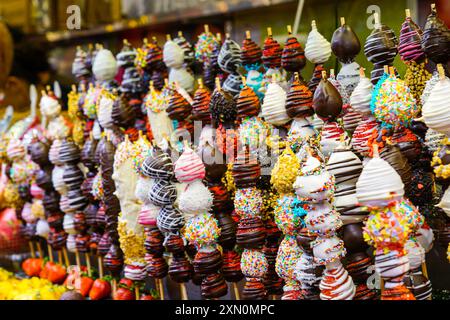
147 297
124 294
32 267
126 283
101 289
45 270
56 273
83 285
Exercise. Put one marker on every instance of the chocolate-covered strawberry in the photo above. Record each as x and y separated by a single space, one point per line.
345 44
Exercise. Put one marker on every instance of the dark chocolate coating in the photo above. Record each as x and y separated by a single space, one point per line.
200 106
246 170
38 152
180 269
251 233
227 238
293 58
82 243
251 53
71 296
299 101
327 102
248 104
272 53
221 198
222 107
254 290
418 284
158 165
154 240
113 260
174 244
104 244
214 286
156 266
353 238
163 193
44 180
170 220
381 46
69 152
123 113
436 39
88 153
231 268
345 44
207 262
316 78
214 161
73 176
179 108
364 293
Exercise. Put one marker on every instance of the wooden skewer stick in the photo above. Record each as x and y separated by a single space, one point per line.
289 29
66 257
408 13
441 71
381 285
362 73
50 252
324 75
77 258
100 266
60 257
88 263
391 71
236 291
41 254
183 291
248 34
114 287
168 37
161 288
136 292
269 31
32 252
180 34
218 86
342 21
206 28
313 25
386 69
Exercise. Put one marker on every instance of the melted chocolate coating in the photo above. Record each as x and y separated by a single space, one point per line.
254 290
179 108
200 107
299 101
180 270
248 104
156 266
251 233
246 170
293 58
174 244
227 238
214 286
436 39
345 44
222 107
327 102
123 113
38 151
207 262
231 268
250 53
272 53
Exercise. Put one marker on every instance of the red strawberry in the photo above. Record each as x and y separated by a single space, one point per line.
101 289
84 285
32 267
56 273
124 294
126 283
147 297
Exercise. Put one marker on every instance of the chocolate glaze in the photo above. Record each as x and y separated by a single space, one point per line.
156 266
254 290
44 180
174 244
345 44
250 233
250 53
215 163
82 243
227 238
207 262
180 270
200 106
122 113
214 286
154 240
222 107
113 260
327 102
69 152
364 293
231 268
248 104
73 176
57 239
272 53
409 47
38 151
179 108
88 153
436 39
316 78
299 101
104 244
246 170
293 58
